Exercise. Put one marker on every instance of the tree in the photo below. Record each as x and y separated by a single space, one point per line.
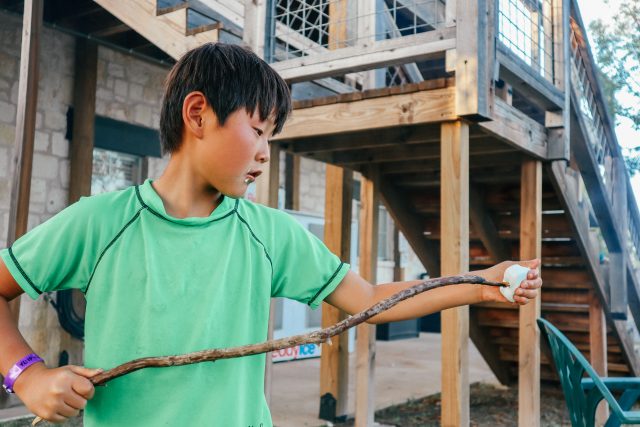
618 56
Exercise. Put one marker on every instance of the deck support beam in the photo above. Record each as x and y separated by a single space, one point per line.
529 333
334 361
366 333
455 259
267 194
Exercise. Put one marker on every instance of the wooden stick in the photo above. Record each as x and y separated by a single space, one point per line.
315 337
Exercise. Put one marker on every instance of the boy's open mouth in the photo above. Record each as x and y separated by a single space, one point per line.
252 176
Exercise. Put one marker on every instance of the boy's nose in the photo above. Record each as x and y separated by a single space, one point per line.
264 153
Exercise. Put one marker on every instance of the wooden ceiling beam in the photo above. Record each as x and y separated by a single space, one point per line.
427 106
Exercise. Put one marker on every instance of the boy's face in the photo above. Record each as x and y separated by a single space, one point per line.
232 156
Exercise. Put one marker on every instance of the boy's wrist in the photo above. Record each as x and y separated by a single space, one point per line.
25 377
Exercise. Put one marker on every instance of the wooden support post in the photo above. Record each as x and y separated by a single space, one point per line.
334 361
84 114
338 12
25 126
292 182
255 22
255 25
617 259
25 133
598 347
366 334
529 334
267 194
474 58
454 249
558 147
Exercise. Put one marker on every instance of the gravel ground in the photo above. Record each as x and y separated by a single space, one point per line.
490 406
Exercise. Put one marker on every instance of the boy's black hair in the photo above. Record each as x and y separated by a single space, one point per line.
230 77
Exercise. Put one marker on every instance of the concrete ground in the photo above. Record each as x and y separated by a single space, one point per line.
405 369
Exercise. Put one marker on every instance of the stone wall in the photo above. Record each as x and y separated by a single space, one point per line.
128 89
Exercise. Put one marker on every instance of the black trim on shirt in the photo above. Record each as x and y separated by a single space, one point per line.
111 243
24 274
333 276
159 215
257 240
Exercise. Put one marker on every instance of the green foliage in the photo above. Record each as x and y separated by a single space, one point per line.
618 56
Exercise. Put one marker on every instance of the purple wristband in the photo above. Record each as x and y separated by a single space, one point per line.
19 368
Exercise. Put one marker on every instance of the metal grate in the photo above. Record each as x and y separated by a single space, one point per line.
305 27
526 28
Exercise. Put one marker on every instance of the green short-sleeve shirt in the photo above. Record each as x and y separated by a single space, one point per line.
157 285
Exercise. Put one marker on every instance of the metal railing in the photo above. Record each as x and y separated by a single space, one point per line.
526 28
305 27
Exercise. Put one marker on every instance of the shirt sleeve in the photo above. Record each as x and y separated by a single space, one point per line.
304 269
56 255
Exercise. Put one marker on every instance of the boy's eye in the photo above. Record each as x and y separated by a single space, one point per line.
258 131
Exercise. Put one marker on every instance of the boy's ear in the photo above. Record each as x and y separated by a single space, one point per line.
193 109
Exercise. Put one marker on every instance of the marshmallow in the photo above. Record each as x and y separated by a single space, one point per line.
514 276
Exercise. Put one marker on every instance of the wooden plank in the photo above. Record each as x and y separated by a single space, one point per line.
292 182
366 334
514 127
529 334
84 113
428 106
454 247
167 32
334 361
598 347
418 47
25 127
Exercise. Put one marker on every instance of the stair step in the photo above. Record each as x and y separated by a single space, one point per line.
167 6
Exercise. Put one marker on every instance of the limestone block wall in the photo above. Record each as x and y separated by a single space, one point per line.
128 89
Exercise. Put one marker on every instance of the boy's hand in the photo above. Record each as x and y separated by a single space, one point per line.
55 394
528 289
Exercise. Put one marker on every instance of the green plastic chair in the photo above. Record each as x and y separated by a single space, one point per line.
583 394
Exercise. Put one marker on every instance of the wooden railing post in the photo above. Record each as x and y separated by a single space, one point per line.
454 249
529 334
475 34
368 264
334 361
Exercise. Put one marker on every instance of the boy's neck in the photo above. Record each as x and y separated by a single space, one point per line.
183 193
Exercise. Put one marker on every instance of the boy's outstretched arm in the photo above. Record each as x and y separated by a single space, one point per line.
52 394
355 294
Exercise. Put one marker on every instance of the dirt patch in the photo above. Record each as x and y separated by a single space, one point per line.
490 406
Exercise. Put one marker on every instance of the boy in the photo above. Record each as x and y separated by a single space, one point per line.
183 263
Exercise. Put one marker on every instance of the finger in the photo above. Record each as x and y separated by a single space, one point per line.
83 387
75 401
533 264
527 293
67 411
85 372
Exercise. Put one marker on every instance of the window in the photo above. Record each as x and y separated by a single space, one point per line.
113 170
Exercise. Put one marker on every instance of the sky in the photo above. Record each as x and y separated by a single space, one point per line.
627 136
